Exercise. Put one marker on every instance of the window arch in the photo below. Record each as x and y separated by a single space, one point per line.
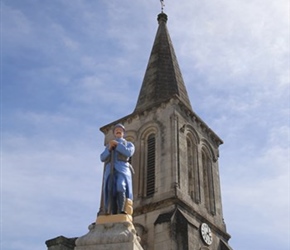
147 180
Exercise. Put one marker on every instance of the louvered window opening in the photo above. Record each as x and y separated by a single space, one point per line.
189 166
150 166
208 184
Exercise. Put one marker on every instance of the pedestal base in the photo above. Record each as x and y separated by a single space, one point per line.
102 219
110 236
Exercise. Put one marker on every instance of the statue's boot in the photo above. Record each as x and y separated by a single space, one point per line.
114 205
121 200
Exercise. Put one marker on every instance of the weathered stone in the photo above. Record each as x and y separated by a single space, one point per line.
61 243
110 236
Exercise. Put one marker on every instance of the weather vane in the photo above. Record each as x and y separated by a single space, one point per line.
162 5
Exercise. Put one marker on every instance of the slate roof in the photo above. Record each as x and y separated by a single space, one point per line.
163 79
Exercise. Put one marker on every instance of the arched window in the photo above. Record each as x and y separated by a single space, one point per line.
193 172
190 174
150 161
208 183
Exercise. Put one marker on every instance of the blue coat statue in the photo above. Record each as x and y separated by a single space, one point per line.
117 183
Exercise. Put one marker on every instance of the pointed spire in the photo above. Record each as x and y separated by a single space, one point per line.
163 79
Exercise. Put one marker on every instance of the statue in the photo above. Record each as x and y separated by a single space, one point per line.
117 183
114 228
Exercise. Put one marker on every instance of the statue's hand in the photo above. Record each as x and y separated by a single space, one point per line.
112 144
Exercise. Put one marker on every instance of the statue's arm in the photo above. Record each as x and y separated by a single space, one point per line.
126 150
105 155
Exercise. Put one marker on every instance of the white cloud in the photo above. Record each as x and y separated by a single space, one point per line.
234 39
256 187
46 178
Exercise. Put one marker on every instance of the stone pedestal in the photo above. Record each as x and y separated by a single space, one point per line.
61 243
109 236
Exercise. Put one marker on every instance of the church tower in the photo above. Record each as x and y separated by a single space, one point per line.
177 195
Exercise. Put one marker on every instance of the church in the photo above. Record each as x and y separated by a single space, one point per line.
176 185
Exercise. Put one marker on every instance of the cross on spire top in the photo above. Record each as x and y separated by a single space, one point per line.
162 5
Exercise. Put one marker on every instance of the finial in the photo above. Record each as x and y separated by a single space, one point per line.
162 5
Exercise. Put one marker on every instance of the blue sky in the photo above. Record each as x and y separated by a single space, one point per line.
70 67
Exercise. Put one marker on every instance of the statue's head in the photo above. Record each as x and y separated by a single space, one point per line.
119 130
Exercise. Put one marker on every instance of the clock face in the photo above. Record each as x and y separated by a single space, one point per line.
206 233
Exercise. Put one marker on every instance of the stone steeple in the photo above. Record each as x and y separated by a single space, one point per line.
163 79
177 195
